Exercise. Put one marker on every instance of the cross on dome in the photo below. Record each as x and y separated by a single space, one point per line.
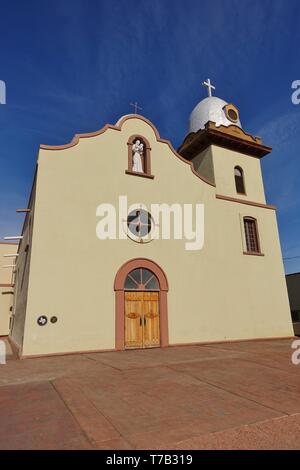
209 86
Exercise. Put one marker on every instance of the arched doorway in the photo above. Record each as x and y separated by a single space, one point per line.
141 305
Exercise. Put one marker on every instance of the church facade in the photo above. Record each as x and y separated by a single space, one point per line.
128 243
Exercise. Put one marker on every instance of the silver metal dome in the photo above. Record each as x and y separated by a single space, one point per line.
210 109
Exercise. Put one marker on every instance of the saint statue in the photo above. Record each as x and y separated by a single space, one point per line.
137 162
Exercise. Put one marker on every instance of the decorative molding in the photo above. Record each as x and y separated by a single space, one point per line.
253 253
118 127
235 131
136 263
245 201
135 173
231 107
231 137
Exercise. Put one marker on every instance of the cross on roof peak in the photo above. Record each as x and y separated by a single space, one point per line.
136 107
209 86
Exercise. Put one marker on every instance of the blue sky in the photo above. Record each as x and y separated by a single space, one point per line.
74 65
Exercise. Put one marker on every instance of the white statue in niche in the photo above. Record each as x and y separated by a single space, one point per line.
138 150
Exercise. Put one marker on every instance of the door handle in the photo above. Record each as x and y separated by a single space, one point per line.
144 321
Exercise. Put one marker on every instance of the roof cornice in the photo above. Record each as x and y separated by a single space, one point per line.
231 137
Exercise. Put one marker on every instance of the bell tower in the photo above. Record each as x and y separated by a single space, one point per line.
221 150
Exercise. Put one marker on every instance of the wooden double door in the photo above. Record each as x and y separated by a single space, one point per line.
142 325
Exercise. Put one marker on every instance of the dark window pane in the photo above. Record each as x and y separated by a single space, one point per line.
130 284
232 115
133 222
251 236
133 217
144 230
141 279
239 184
136 275
146 275
296 315
145 218
152 284
239 180
139 222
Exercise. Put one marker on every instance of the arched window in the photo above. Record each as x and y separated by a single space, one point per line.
251 235
141 279
139 158
239 180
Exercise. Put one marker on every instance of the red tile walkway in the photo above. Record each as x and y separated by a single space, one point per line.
222 396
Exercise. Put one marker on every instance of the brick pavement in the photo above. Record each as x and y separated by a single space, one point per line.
233 395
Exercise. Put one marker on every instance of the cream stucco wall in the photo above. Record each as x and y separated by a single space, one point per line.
215 294
6 289
224 161
203 164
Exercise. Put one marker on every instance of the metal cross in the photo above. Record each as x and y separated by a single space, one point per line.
136 107
209 86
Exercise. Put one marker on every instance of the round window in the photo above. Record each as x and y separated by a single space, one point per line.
139 223
232 114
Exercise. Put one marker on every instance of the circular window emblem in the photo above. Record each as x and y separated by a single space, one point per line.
232 114
42 320
139 225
